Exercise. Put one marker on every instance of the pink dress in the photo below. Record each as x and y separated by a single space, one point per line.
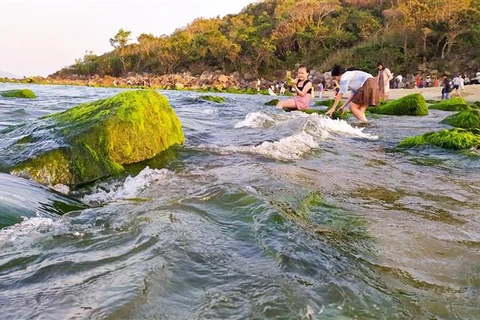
303 103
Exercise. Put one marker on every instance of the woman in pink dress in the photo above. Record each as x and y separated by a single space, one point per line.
303 89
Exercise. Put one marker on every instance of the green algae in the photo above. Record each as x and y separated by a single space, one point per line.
272 102
411 105
338 114
453 104
468 119
101 137
216 99
18 93
457 139
328 103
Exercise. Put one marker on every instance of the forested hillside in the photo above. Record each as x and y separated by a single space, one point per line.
273 35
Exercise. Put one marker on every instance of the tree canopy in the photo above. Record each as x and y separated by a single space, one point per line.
273 35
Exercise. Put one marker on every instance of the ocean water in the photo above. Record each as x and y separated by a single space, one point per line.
261 214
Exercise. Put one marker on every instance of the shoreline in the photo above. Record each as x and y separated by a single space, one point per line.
471 93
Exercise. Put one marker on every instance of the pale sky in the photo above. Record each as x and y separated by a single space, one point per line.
39 37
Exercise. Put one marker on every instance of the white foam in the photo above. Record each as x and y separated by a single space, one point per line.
25 229
318 125
286 149
255 120
132 187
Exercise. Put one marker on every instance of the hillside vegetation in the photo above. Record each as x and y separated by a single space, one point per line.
274 35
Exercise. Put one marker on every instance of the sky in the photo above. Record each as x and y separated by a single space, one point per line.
39 37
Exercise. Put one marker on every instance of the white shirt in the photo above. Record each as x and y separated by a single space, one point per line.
353 80
457 81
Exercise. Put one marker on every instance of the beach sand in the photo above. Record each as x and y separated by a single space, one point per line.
471 93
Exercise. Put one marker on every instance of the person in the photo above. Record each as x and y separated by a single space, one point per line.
364 89
303 88
258 85
384 77
399 79
457 84
446 88
282 88
428 82
320 90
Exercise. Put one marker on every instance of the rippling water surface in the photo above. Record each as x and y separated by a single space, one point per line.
260 215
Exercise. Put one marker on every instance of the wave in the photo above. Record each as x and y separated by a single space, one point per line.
132 187
286 149
21 199
255 120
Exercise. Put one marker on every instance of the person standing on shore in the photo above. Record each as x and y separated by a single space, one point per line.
446 88
303 88
384 77
364 89
458 84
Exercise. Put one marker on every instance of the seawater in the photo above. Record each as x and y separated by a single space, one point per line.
261 214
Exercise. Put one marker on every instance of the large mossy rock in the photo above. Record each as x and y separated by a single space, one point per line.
411 105
468 119
18 93
94 140
453 104
457 139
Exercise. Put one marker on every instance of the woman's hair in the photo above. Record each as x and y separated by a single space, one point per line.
304 66
380 63
337 71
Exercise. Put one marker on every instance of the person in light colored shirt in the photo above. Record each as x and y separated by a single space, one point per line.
384 77
458 84
364 87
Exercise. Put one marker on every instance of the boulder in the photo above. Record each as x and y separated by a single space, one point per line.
411 105
93 140
457 139
18 93
453 104
468 119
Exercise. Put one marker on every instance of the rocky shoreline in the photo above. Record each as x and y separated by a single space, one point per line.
207 81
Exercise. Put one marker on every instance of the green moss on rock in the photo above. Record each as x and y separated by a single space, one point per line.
19 93
453 104
328 103
216 99
456 139
336 115
272 102
468 119
411 105
96 139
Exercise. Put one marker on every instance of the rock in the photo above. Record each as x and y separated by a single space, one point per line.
93 140
216 99
272 102
19 93
457 139
411 105
453 104
328 103
222 78
468 119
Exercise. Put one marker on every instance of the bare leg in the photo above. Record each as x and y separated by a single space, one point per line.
289 104
358 111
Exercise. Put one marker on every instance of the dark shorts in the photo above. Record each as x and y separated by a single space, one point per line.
368 94
456 86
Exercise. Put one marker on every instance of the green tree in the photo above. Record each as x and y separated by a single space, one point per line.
119 43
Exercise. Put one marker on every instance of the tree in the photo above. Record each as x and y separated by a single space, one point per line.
119 43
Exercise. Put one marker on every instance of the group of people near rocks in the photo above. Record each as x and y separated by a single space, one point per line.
366 89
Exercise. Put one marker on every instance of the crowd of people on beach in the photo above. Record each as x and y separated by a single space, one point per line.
366 89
